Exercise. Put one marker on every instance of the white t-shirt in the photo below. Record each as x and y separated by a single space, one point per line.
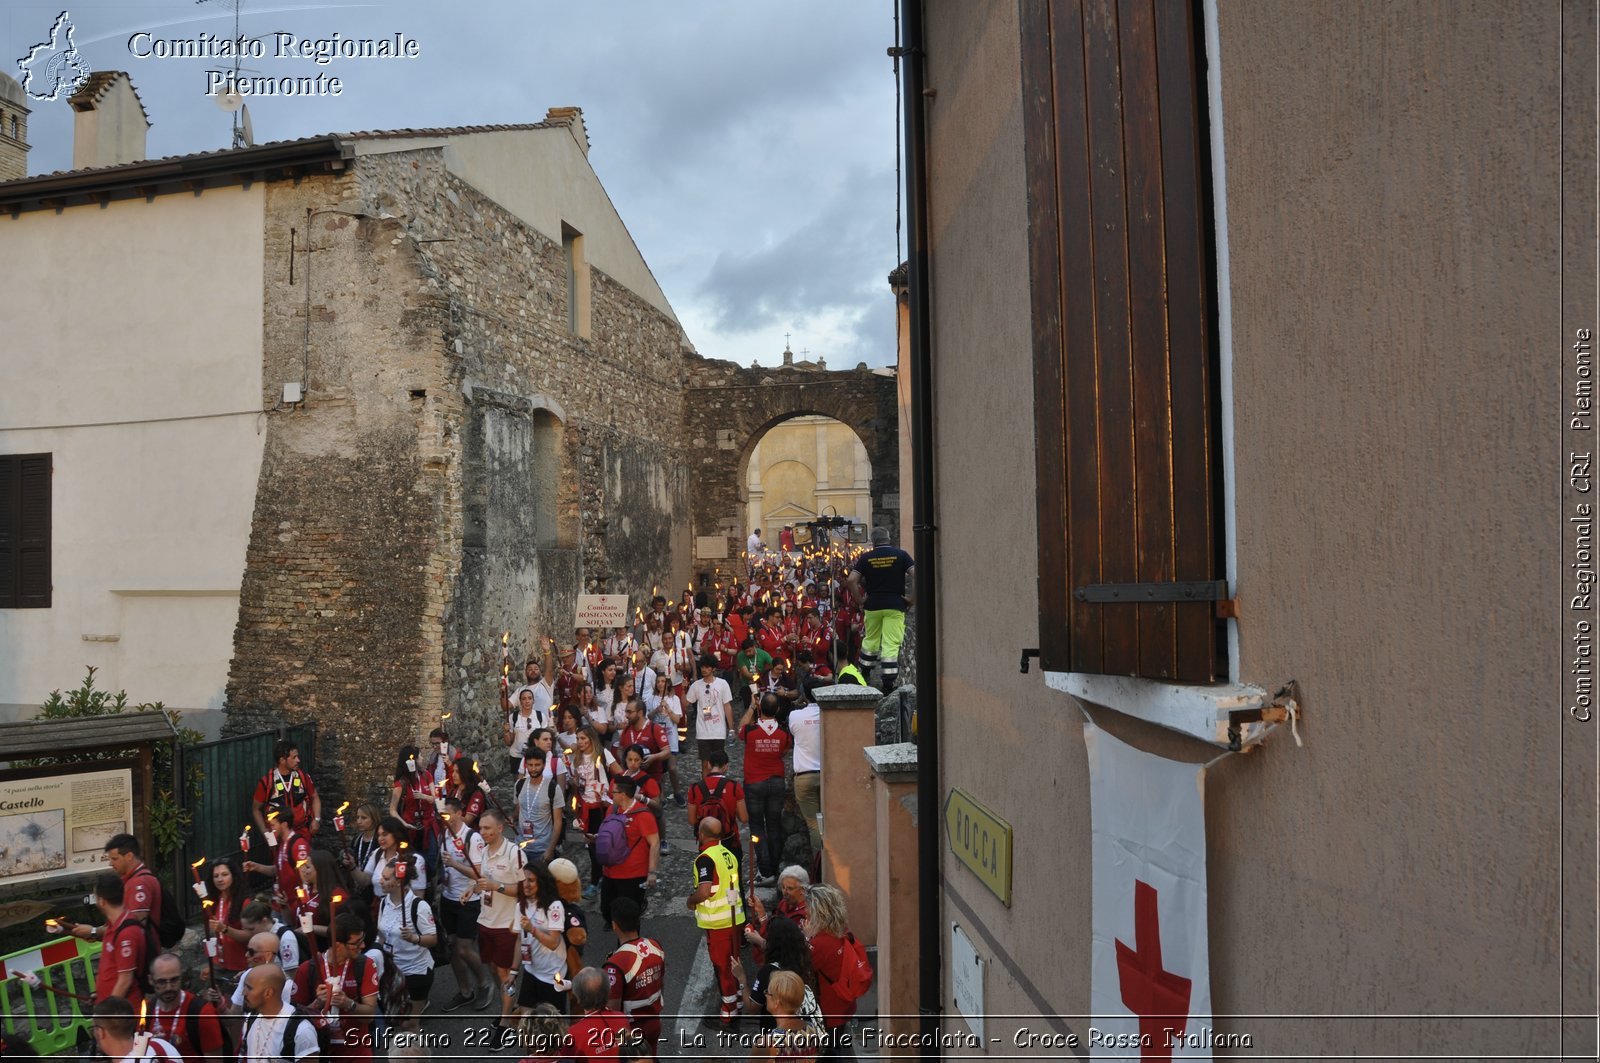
158 1048
523 726
378 861
238 992
505 867
805 725
467 847
593 783
263 1042
542 963
753 544
393 919
710 701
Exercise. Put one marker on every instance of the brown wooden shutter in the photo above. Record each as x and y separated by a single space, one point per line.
1118 209
25 531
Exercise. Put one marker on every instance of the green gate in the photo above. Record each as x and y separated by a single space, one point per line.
227 771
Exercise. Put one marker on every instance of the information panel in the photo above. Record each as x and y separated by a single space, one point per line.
58 826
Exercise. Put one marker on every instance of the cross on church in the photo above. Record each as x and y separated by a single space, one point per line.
1159 997
786 341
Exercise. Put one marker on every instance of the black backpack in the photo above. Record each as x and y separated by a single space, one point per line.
171 929
191 1029
290 1028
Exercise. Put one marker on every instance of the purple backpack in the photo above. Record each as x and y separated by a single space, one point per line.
611 841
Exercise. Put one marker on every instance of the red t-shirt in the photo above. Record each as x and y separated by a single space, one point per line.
827 957
234 956
722 646
641 824
290 854
174 1027
771 640
763 751
122 951
141 892
472 805
738 629
599 1034
294 792
653 736
357 1044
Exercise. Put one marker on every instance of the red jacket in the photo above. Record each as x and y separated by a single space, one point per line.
827 957
599 1034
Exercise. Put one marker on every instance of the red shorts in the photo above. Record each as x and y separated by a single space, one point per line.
498 947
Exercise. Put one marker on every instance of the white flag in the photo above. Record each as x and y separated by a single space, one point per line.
1150 989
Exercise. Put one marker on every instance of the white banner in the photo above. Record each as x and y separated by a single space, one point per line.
602 610
1150 989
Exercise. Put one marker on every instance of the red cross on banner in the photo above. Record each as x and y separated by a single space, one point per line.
1150 989
1159 997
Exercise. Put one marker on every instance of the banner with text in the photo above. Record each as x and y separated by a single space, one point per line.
1150 983
58 826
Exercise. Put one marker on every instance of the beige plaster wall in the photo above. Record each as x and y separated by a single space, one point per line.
1392 207
809 462
133 356
1009 742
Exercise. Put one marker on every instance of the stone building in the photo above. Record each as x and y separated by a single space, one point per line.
407 364
14 113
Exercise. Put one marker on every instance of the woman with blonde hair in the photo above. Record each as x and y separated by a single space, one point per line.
791 1040
827 926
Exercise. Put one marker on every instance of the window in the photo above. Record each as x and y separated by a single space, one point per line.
25 531
577 281
1125 403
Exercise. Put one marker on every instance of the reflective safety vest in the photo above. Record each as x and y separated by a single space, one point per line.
725 906
853 673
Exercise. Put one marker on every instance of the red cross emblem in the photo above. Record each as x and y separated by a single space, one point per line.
1159 997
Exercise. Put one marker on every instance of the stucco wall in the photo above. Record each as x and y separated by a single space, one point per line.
133 356
1010 743
1393 212
1392 200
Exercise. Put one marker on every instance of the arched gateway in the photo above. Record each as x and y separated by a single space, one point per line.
727 409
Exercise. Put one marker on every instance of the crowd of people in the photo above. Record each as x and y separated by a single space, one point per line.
337 955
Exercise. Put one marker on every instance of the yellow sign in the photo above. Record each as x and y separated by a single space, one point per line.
981 840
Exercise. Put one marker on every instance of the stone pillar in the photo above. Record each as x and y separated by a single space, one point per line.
894 800
849 837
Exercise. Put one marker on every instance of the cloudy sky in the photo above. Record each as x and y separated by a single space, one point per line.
749 145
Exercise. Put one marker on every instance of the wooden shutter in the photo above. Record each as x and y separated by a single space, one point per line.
25 531
1118 217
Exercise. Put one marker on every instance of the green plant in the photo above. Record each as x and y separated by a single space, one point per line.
169 819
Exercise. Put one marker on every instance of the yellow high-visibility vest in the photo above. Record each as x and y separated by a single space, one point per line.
725 906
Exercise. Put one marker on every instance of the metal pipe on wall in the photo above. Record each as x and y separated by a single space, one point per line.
930 977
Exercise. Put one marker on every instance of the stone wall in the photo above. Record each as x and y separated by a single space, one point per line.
728 408
343 595
463 465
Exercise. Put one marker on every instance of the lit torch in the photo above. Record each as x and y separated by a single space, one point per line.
338 817
141 1040
199 887
505 661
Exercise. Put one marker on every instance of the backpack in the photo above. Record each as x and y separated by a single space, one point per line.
723 811
172 928
611 841
439 953
191 1029
290 1028
855 970
302 943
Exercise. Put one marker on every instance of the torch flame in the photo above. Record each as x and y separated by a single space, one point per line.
443 716
207 903
143 1004
197 863
342 808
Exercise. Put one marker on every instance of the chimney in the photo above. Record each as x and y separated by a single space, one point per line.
13 129
572 118
110 124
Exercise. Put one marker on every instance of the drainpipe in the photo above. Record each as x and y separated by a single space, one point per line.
930 976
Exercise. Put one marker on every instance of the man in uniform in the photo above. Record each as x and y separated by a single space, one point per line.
636 973
718 906
288 789
878 583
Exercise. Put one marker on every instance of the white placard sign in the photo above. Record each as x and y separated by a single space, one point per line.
710 547
59 825
966 980
602 610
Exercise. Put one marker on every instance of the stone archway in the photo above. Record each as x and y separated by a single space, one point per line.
727 409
